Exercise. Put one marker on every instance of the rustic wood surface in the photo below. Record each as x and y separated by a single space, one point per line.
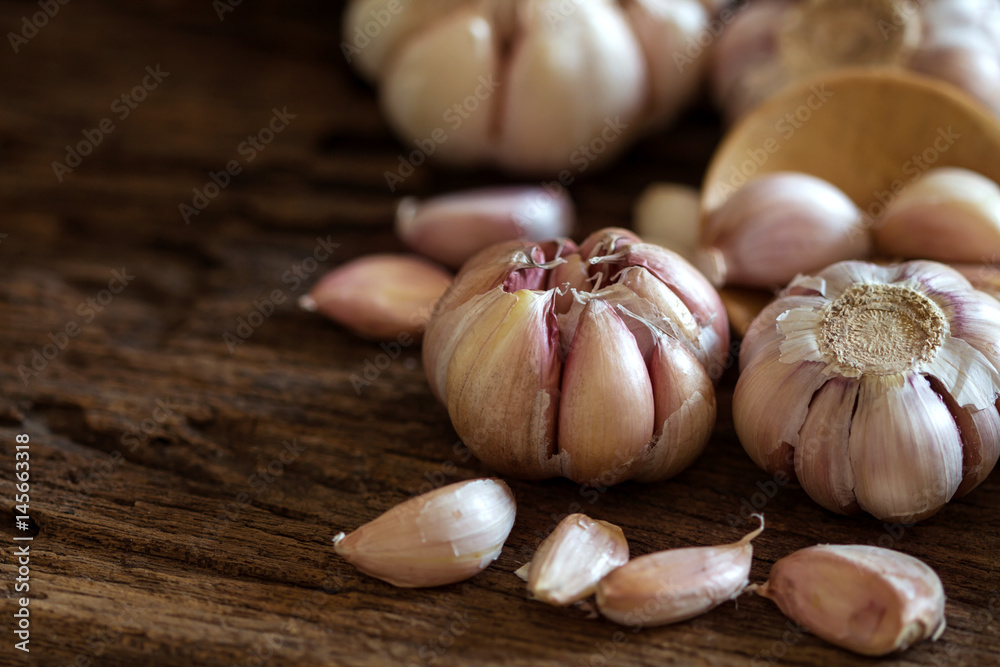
183 495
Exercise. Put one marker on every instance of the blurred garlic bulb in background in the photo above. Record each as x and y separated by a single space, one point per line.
772 43
876 387
535 86
593 362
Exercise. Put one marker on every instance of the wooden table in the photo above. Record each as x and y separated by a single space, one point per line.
185 488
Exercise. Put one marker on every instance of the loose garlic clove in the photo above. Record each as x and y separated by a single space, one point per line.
447 535
675 585
866 599
777 226
380 296
948 215
452 228
569 562
668 214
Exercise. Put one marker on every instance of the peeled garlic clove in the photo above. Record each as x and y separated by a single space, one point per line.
869 600
441 537
949 214
380 296
452 228
421 103
569 562
574 87
668 214
777 226
675 585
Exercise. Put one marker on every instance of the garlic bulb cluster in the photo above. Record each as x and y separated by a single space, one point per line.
869 600
948 215
677 584
593 362
531 85
452 228
772 43
382 297
441 537
875 386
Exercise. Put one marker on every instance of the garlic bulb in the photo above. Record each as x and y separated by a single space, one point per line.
593 362
530 85
569 562
869 600
668 214
948 214
441 537
984 277
777 226
773 43
380 296
874 386
678 584
452 228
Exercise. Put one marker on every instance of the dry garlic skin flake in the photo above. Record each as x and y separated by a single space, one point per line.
866 599
446 535
876 387
593 362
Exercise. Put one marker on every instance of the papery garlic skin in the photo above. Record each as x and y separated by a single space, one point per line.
380 296
875 387
534 86
869 600
948 215
573 558
547 372
984 277
452 228
441 537
677 584
778 226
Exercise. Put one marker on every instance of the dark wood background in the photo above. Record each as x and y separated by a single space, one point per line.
184 496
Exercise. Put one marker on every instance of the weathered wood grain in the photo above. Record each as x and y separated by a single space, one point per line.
184 494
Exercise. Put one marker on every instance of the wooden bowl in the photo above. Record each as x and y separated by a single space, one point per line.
868 131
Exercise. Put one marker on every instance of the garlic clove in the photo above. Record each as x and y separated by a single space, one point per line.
380 296
441 537
604 375
452 228
673 316
570 561
574 87
675 585
572 275
869 600
418 101
777 226
665 28
763 332
668 214
979 430
511 351
949 214
374 29
684 399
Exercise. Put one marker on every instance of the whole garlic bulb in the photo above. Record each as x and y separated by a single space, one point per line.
773 43
593 362
876 387
530 85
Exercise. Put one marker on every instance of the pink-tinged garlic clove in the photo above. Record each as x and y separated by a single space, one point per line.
450 117
948 214
452 228
574 87
380 296
869 600
669 214
441 537
777 226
